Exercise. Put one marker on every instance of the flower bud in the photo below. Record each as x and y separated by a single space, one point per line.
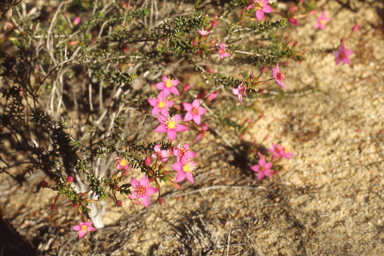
213 95
264 69
260 91
355 28
76 21
53 207
161 200
178 186
119 203
295 44
75 205
44 184
252 76
9 25
186 87
69 179
202 95
72 43
147 161
293 9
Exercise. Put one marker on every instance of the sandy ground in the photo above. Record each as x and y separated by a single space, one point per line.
328 201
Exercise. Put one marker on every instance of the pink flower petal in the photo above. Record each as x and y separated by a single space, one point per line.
267 9
259 15
160 86
180 176
181 128
177 118
153 102
196 103
197 119
144 180
171 134
82 233
134 182
190 177
187 106
162 119
177 167
151 190
188 117
156 110
145 200
161 128
174 91
255 168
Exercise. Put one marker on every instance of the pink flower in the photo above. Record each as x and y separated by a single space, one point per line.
261 8
194 111
321 21
279 151
69 179
223 52
240 91
312 12
160 105
122 164
203 132
168 86
170 125
76 21
263 168
161 154
342 55
355 28
279 76
213 95
182 153
142 189
293 21
203 32
83 227
184 169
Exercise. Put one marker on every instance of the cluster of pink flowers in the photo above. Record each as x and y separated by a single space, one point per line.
264 168
171 124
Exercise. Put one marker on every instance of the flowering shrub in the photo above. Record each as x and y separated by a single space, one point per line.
112 62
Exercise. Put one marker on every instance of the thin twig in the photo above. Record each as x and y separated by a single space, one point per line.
218 187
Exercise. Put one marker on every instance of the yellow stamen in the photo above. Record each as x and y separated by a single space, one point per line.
161 104
171 124
140 190
84 228
123 162
168 83
195 111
